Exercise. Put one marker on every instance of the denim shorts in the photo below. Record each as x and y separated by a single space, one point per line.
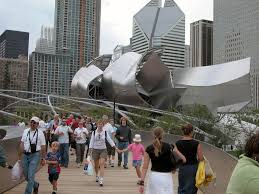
136 163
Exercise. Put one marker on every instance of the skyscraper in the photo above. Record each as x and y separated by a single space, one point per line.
187 56
201 43
77 29
76 42
50 74
45 44
236 36
161 27
13 76
13 44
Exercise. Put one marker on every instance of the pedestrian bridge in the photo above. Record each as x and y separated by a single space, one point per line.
116 180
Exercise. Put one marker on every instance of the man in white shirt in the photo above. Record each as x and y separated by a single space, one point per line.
33 149
110 150
63 138
81 134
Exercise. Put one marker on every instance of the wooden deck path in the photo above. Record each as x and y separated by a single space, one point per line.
72 181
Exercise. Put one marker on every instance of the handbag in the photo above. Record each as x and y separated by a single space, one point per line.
175 159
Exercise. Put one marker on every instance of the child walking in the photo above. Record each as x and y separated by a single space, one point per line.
53 159
138 151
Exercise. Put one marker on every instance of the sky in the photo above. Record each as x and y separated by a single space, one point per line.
116 18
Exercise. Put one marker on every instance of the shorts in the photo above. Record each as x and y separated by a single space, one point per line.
110 150
53 177
136 163
99 153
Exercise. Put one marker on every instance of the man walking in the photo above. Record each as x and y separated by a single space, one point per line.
33 149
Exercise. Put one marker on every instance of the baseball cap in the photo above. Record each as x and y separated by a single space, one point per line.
36 119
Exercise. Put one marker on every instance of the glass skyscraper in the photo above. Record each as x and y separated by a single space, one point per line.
236 36
201 43
77 29
160 27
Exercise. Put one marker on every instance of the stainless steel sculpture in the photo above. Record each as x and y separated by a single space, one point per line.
143 79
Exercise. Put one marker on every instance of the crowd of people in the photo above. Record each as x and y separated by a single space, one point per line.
50 144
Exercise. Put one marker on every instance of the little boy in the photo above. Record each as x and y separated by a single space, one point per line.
53 159
138 151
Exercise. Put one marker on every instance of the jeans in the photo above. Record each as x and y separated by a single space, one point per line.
121 146
186 178
64 153
80 150
30 164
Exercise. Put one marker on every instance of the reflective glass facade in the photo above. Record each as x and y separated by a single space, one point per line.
13 44
236 36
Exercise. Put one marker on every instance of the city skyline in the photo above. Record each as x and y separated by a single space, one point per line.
114 30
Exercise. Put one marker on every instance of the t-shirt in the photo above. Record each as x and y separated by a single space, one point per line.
109 129
137 150
162 163
65 137
98 140
80 135
189 149
33 137
53 168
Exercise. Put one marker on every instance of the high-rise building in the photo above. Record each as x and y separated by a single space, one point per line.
236 36
13 76
76 43
45 44
13 44
201 43
161 27
50 73
119 50
187 56
77 29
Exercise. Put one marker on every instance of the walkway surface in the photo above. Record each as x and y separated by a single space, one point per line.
73 180
116 180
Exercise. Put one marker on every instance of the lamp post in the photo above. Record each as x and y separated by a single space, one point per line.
114 103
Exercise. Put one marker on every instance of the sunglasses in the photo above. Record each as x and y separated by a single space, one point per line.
33 122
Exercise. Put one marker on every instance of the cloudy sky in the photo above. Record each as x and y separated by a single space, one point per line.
116 25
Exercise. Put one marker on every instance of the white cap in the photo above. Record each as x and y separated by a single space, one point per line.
137 138
36 119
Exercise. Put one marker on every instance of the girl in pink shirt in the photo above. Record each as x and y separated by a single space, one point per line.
138 151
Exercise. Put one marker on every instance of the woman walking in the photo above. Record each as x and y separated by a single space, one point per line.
98 150
123 135
160 177
192 151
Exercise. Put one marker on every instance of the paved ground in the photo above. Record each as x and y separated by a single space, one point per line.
116 180
73 181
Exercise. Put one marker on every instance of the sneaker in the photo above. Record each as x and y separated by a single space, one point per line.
101 182
78 165
119 164
54 192
112 164
36 189
125 166
97 179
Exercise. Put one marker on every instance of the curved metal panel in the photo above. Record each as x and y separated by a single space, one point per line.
212 75
84 77
122 72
